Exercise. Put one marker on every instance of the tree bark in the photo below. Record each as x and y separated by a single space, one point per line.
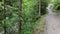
19 15
39 6
4 11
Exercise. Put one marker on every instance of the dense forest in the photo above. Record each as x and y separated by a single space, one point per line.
23 16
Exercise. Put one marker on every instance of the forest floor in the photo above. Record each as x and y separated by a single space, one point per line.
39 28
52 25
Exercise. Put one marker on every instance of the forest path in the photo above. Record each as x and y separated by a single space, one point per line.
52 25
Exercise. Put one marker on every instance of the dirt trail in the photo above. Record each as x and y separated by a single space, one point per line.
52 23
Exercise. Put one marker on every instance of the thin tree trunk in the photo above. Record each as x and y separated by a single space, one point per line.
41 5
4 11
19 15
39 2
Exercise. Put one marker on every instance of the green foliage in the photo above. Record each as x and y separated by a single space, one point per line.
56 5
29 15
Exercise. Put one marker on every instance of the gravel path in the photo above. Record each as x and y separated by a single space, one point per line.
52 23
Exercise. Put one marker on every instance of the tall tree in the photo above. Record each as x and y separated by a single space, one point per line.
4 11
39 4
19 14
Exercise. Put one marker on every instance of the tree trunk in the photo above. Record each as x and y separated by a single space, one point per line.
19 15
39 2
41 6
4 11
